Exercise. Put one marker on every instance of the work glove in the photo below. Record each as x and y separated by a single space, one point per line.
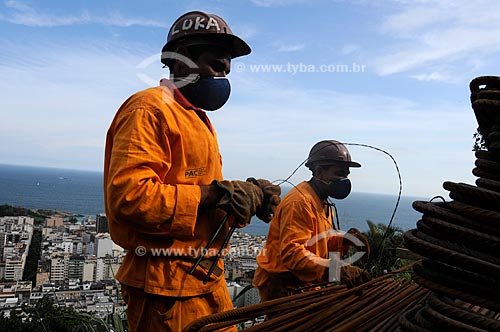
241 200
365 246
353 276
271 199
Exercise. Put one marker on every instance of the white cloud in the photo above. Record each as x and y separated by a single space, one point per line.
438 34
25 15
434 76
56 113
290 47
350 49
274 3
411 20
269 127
414 15
438 47
245 31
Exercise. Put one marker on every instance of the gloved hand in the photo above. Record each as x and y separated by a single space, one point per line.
241 199
271 199
365 246
353 276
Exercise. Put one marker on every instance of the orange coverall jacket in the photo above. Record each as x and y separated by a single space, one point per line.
299 239
159 150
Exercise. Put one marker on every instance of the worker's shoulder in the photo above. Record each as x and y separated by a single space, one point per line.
298 194
155 97
157 101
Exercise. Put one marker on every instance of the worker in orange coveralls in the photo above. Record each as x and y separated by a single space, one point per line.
302 232
164 191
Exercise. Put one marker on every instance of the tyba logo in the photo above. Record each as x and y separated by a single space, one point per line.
335 261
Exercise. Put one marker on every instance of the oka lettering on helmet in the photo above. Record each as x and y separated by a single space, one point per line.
199 23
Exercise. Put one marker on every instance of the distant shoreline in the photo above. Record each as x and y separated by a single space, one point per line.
101 173
81 193
52 168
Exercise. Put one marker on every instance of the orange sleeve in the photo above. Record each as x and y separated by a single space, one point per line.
296 231
138 162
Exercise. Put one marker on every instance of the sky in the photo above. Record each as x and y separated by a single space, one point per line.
392 74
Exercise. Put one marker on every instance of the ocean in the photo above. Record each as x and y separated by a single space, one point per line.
81 192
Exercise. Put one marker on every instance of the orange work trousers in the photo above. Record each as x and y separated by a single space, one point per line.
156 313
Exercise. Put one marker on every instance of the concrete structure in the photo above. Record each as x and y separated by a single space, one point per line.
58 268
78 248
55 222
251 297
101 224
104 245
89 269
15 240
76 265
67 247
14 268
3 240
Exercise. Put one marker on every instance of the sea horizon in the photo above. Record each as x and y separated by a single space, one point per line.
80 192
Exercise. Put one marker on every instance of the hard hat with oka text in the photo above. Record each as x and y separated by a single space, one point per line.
198 28
330 152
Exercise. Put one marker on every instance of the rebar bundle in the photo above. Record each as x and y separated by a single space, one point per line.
460 239
372 306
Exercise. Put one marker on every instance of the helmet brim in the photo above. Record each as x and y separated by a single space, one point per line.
332 163
353 164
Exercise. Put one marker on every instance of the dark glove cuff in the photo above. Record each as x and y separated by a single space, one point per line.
226 189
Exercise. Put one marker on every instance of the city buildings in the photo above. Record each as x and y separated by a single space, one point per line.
78 262
102 224
15 239
76 265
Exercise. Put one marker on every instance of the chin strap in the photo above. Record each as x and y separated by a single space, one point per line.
329 204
